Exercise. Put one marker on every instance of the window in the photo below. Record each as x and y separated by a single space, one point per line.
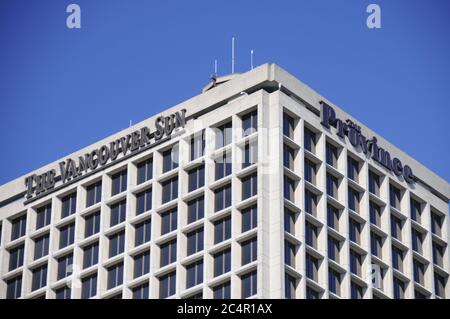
397 258
170 159
333 249
16 257
310 141
141 292
63 292
331 154
196 178
374 183
376 244
355 231
310 171
118 213
66 235
289 189
143 232
223 135
89 286
90 255
168 253
375 213
223 166
222 197
289 221
14 287
436 224
250 154
394 196
419 295
396 227
119 182
249 186
333 217
39 277
290 284
196 209
145 171
41 246
167 285
222 262
439 285
249 251
43 216
399 289
249 218
312 267
170 190
194 274
169 221
222 291
116 244
144 201
356 291
222 230
18 227
311 234
417 240
353 200
310 203
334 281
438 254
94 193
141 264
115 275
289 253
65 265
194 241
419 271
69 205
332 185
250 123
288 157
416 210
249 284
355 263
288 126
197 145
92 224
311 293
352 169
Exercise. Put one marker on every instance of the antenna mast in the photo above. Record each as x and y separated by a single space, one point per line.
251 59
232 55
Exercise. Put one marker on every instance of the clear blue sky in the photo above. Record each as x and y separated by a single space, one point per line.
61 89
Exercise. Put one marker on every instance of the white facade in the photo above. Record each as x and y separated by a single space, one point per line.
271 92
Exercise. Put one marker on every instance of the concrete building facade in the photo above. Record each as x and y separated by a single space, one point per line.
256 188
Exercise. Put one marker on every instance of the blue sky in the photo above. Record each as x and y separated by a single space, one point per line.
61 89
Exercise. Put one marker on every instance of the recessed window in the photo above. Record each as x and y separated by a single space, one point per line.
333 249
310 203
397 258
438 254
352 169
376 244
63 293
16 257
374 183
417 241
41 245
396 227
143 232
375 213
289 187
399 289
170 159
43 216
69 205
89 286
222 197
169 220
115 275
196 209
65 266
250 155
93 193
334 281
249 284
439 285
170 190
223 135
168 253
90 255
288 126
353 199
222 291
311 293
195 241
355 231
249 186
250 123
143 201
141 292
394 196
436 224
66 235
18 227
419 271
145 171
355 263
118 213
92 224
141 264
14 287
333 217
416 210
331 154
310 171
222 230
289 253
288 157
290 285
39 279
309 140
196 178
119 182
249 251
311 235
223 166
116 244
356 291
289 221
167 285
312 267
197 145
222 262
194 274
249 218
332 185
